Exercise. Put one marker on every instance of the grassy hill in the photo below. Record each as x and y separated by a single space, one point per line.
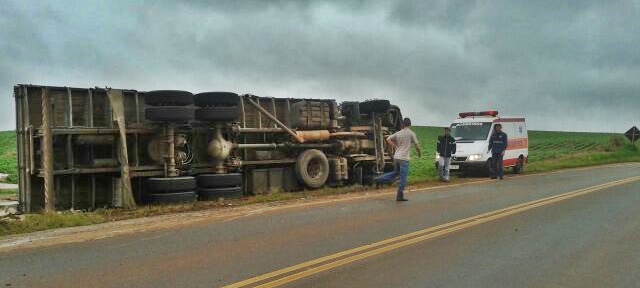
547 151
8 155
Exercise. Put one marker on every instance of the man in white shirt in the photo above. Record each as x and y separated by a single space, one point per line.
402 141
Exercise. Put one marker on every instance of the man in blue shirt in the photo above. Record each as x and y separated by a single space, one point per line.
497 147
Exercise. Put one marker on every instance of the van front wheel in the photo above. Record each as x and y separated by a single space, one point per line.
519 168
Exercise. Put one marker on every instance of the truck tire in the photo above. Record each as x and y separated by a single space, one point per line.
221 99
312 168
206 181
171 184
213 194
378 106
178 197
393 119
358 176
211 114
168 98
169 114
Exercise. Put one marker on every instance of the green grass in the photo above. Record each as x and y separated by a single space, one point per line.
38 222
8 155
423 169
547 151
560 150
7 194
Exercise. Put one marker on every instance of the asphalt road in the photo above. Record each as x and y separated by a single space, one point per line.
591 240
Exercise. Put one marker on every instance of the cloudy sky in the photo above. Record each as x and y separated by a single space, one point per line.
565 65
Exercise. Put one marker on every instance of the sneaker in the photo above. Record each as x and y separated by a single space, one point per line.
501 178
402 199
446 180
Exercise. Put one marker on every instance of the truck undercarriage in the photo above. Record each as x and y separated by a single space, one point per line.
99 147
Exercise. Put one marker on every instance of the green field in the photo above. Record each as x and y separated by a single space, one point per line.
8 155
547 151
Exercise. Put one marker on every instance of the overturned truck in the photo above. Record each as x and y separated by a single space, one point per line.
82 148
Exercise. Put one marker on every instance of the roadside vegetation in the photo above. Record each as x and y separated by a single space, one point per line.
8 194
8 156
547 151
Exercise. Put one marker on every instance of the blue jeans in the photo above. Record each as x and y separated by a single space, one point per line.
443 167
401 168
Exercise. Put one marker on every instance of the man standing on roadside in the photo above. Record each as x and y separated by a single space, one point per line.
402 142
497 146
446 147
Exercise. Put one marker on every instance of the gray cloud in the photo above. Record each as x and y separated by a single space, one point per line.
565 66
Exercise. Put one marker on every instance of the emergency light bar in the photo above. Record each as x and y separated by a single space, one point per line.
492 113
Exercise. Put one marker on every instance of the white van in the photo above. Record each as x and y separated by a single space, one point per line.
472 131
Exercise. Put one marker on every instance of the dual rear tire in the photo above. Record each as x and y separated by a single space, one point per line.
183 189
172 190
169 106
217 106
213 187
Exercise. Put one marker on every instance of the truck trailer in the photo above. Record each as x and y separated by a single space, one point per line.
88 148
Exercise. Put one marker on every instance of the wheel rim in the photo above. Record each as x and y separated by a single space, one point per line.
314 169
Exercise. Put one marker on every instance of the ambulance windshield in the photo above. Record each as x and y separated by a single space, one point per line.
471 131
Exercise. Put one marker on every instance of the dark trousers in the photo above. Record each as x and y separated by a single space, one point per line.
496 166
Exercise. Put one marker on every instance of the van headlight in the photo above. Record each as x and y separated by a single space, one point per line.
475 157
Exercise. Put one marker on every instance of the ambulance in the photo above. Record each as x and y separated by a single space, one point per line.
472 131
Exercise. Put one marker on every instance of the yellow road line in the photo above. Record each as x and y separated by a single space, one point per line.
316 266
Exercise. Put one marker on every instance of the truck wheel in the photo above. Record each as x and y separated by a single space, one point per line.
213 194
206 181
169 114
178 197
211 114
223 99
379 106
519 168
358 176
312 168
171 184
393 118
168 98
